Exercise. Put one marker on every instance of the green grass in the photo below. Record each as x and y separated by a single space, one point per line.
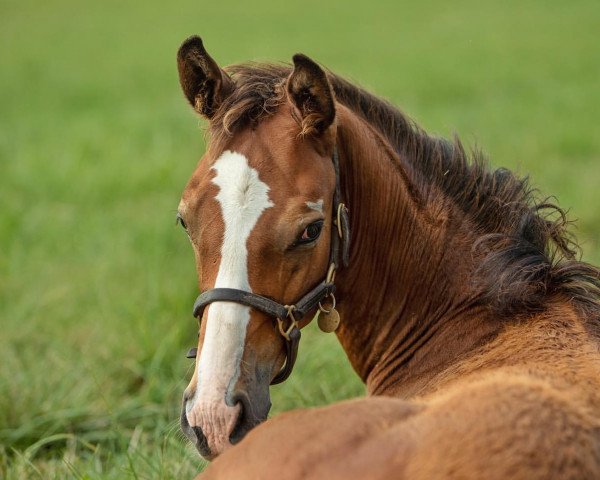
96 144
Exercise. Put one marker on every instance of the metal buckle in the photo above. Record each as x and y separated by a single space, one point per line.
293 324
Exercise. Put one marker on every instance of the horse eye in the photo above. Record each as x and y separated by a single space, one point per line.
179 220
310 233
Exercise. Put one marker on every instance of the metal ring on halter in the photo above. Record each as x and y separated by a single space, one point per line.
293 324
323 309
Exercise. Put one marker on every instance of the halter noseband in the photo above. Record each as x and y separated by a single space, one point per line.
292 314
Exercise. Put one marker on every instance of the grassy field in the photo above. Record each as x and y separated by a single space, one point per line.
96 144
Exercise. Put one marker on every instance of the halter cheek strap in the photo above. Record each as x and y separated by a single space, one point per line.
288 316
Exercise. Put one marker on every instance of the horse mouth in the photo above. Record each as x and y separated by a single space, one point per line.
195 435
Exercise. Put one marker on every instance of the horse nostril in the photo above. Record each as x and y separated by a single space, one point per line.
238 398
242 425
251 413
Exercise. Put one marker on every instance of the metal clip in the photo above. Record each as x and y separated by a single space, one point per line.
293 324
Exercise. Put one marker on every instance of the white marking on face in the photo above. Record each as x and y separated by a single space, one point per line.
317 206
243 197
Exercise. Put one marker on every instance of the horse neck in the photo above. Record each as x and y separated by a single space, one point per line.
406 311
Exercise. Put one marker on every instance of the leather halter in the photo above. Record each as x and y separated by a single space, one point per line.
293 314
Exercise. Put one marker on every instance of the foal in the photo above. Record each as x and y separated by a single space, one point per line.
461 296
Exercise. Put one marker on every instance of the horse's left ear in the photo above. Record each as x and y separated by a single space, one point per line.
310 91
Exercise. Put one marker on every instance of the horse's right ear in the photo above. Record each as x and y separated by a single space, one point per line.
204 84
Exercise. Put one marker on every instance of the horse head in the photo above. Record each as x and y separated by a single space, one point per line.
259 212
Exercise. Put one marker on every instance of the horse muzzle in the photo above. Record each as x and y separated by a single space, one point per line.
214 426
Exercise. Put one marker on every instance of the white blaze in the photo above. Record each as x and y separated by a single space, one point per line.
242 197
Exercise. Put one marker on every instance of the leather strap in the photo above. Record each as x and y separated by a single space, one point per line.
263 304
266 305
291 353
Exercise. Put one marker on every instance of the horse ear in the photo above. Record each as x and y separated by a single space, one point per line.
204 84
310 91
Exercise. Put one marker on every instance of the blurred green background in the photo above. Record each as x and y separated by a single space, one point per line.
97 142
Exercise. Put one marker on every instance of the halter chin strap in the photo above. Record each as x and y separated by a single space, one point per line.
288 316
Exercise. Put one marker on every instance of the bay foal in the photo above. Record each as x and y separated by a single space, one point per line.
461 299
